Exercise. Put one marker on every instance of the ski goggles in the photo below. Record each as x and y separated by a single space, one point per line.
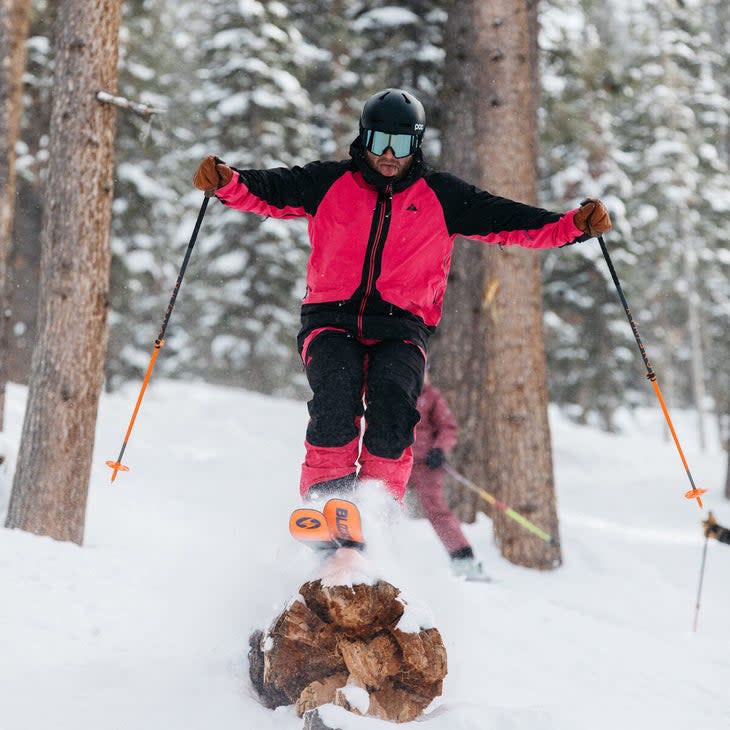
401 145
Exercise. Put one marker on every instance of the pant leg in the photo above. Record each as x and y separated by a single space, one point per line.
394 381
334 363
428 487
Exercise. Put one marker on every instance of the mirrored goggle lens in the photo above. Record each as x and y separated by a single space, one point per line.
401 144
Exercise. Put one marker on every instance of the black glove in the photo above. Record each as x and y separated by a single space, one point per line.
435 458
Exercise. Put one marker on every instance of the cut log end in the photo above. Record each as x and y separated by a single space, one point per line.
342 645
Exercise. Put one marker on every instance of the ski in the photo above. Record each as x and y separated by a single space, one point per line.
337 525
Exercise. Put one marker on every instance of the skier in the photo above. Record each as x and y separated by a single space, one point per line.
382 227
436 435
718 532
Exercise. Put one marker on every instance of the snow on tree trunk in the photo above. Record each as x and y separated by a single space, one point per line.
13 34
492 335
51 480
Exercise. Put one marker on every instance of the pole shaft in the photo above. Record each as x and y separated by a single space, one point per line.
699 587
145 383
486 496
160 341
627 309
693 493
183 267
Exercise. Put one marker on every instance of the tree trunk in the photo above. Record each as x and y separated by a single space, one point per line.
457 354
492 336
51 480
13 35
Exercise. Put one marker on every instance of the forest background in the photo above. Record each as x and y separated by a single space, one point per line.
633 109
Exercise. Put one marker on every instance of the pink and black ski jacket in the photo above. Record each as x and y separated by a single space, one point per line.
381 249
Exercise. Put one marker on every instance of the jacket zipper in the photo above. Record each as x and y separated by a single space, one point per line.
381 210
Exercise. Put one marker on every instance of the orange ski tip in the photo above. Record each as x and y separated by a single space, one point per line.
344 522
309 525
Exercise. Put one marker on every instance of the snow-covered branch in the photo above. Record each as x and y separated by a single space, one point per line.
142 110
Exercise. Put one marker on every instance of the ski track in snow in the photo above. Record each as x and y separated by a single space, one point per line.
147 625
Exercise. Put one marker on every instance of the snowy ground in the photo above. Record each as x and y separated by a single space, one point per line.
147 625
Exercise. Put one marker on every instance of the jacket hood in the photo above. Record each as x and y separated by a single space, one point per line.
380 182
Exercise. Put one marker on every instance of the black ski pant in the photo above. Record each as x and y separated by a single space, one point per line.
351 378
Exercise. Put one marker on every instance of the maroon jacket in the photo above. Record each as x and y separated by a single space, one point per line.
381 249
437 428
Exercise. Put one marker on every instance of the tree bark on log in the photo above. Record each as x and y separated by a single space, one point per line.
343 645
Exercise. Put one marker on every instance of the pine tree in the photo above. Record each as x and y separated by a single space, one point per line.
335 89
32 157
153 190
583 82
715 268
241 308
679 214
403 46
366 46
13 35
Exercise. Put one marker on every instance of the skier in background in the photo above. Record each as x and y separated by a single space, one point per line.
382 227
436 436
715 531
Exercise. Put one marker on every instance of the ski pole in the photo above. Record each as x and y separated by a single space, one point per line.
117 465
699 587
516 516
694 492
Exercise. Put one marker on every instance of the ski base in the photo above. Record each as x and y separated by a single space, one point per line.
310 526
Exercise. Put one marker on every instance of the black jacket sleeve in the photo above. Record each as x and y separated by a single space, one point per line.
474 213
296 190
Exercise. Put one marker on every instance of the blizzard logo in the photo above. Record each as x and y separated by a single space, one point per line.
341 522
308 523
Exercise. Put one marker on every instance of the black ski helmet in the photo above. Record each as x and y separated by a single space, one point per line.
394 111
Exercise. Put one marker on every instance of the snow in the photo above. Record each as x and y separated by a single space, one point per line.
234 105
358 697
416 616
387 17
347 567
147 625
